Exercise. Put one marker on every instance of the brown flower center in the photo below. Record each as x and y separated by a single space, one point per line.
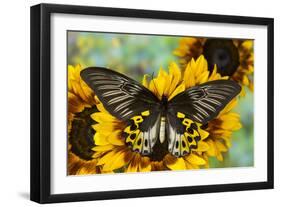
81 134
159 151
223 53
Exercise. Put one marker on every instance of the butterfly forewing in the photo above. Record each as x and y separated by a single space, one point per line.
202 103
121 96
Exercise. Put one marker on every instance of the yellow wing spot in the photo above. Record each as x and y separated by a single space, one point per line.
186 122
191 140
138 143
128 129
145 113
137 119
132 136
180 115
184 145
195 133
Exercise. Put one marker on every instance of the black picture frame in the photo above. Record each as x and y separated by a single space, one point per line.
41 96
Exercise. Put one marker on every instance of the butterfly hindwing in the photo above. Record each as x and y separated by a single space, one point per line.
142 132
183 134
121 96
202 103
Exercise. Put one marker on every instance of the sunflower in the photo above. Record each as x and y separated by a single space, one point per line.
81 104
234 58
221 128
220 131
115 155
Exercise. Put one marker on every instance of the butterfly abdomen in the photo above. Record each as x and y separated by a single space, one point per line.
162 129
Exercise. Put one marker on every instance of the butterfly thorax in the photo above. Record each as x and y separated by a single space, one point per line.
164 105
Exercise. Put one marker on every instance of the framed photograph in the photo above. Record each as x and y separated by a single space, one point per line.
132 103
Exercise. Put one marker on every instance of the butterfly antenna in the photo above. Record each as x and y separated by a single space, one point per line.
152 76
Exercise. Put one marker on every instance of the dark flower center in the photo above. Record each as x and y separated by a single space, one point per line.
81 134
224 54
160 150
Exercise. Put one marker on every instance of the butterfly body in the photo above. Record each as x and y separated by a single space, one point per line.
149 118
162 129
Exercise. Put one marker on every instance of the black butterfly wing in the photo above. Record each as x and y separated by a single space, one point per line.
121 96
143 131
203 103
198 104
183 134
128 101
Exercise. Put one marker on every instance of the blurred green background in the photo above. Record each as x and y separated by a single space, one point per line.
136 55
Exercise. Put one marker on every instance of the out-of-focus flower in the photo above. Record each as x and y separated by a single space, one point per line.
233 58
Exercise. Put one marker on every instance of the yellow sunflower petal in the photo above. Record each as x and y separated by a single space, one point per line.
188 75
103 148
101 107
245 80
230 122
104 126
221 147
102 117
200 66
248 44
189 166
203 77
219 156
144 81
174 163
175 74
229 106
178 90
133 165
107 158
97 154
145 165
194 159
118 161
202 146
206 158
115 138
160 82
204 134
75 104
212 151
100 140
214 74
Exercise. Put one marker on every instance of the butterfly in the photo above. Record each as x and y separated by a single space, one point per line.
149 118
